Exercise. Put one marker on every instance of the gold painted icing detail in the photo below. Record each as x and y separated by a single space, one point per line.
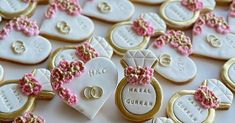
18 47
119 50
225 75
104 7
93 92
63 27
177 24
213 41
143 117
170 107
223 2
165 60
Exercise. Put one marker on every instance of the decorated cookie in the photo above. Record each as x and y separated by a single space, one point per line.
64 22
10 9
227 74
208 5
212 37
180 14
19 96
95 47
231 17
197 106
134 35
29 118
162 120
85 86
20 42
149 1
1 73
157 22
172 50
138 95
109 10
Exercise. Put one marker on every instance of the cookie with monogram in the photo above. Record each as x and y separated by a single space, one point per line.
231 17
95 47
130 35
212 37
151 2
19 96
156 21
172 50
85 86
1 73
227 74
20 42
109 10
139 94
65 23
162 120
10 9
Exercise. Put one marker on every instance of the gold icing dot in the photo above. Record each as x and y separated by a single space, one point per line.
63 27
18 47
104 7
93 92
214 41
165 60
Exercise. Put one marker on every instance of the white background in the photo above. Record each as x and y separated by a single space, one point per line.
55 111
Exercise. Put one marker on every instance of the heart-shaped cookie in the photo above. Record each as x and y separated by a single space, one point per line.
69 53
227 74
14 101
10 9
173 61
149 1
109 10
213 39
22 44
1 73
91 88
65 24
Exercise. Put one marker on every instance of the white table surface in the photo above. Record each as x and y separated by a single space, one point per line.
55 111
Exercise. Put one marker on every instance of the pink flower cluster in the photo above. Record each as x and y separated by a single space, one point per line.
29 85
24 24
206 97
210 20
139 75
143 27
64 73
192 5
232 9
71 7
86 52
177 40
29 118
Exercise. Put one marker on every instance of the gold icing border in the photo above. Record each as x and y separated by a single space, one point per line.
224 74
170 106
135 117
223 2
121 51
177 24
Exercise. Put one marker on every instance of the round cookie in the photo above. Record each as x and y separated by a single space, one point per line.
109 10
227 74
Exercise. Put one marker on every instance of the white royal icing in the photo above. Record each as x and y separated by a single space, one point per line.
181 69
139 99
81 26
11 98
150 1
118 7
99 72
202 47
209 4
1 73
163 120
231 72
37 48
188 110
44 77
13 6
231 21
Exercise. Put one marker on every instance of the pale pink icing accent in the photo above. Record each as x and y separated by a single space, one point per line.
138 75
71 7
192 5
30 85
232 9
210 20
143 27
64 73
24 24
86 52
177 40
206 97
29 118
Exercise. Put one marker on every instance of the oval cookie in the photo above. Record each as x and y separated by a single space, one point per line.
109 10
227 74
10 9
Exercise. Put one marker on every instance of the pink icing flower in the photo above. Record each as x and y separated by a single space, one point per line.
206 97
86 52
159 42
71 7
192 5
29 85
197 30
72 100
143 27
29 118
